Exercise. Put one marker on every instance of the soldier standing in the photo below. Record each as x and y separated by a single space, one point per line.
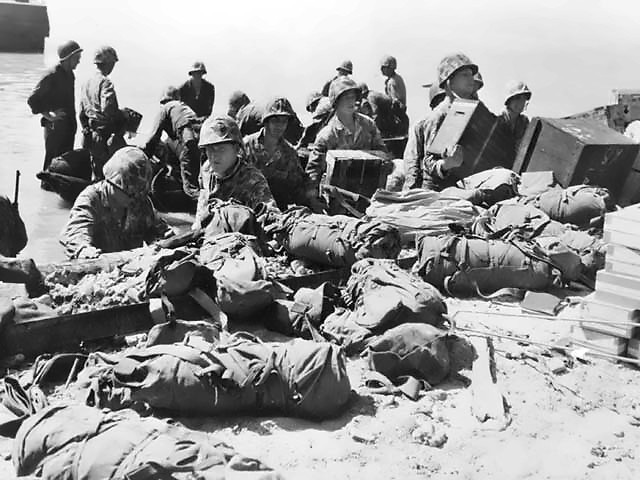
512 119
197 93
54 99
344 70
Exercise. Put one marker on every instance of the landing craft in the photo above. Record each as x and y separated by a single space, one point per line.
24 24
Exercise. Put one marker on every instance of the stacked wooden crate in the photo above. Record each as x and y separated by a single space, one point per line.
617 293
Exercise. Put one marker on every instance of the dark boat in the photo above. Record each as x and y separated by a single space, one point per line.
24 24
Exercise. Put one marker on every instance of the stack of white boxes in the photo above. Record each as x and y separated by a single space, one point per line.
617 294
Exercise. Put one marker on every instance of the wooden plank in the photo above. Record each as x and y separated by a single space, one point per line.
622 268
618 284
488 403
66 332
628 240
620 253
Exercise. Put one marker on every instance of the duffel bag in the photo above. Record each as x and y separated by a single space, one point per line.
511 216
467 265
229 216
299 378
82 443
383 295
421 351
487 187
578 204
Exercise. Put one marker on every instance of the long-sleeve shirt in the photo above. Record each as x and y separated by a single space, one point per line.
174 116
55 91
99 103
335 136
201 103
245 184
395 88
287 180
93 223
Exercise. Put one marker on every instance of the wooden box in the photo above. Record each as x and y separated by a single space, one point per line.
577 151
470 124
359 171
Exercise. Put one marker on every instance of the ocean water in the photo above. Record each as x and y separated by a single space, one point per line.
572 55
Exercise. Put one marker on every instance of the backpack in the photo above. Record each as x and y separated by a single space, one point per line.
229 216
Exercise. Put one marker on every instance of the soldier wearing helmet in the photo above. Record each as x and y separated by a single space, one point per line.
115 213
181 124
344 70
100 116
426 170
226 175
54 98
346 130
312 101
320 117
198 93
512 120
276 158
393 83
247 114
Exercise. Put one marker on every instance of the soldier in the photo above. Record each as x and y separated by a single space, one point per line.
101 119
512 119
115 213
54 99
346 130
312 101
227 175
320 117
426 170
246 113
180 123
344 70
197 93
393 83
364 106
276 158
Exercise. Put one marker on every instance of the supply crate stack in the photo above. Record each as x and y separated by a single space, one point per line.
617 293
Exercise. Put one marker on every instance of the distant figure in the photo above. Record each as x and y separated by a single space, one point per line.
226 175
320 117
115 213
312 101
393 83
276 158
479 83
101 119
436 94
346 130
512 119
53 98
247 114
180 123
364 107
197 92
344 69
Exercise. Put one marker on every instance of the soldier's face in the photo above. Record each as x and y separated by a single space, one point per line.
517 104
75 60
347 103
462 83
222 157
276 126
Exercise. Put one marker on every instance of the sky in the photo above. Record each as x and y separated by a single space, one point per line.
570 53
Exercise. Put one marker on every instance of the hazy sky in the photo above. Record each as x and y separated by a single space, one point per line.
571 53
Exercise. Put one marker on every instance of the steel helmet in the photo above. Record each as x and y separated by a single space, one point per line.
451 64
342 85
170 93
238 98
277 107
389 61
198 67
516 88
221 129
477 78
130 170
67 49
322 109
105 55
364 89
312 101
436 95
346 66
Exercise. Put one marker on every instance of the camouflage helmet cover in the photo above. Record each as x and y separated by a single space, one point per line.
516 88
342 85
105 55
451 64
277 107
389 61
221 129
130 170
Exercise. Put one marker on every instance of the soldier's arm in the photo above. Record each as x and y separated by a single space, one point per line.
376 139
202 209
78 233
159 228
413 157
109 100
156 133
39 99
317 163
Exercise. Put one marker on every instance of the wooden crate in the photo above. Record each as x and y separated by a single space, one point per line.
359 171
577 152
471 125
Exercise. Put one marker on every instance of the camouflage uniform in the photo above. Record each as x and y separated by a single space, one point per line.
246 184
335 136
94 223
287 180
101 120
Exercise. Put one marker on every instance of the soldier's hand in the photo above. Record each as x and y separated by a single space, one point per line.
453 158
